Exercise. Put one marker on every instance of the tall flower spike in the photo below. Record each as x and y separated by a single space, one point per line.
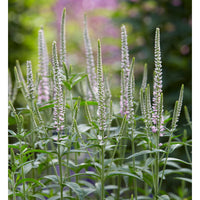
157 87
144 79
101 93
125 70
20 80
63 52
30 84
89 59
177 109
148 108
58 114
130 108
43 88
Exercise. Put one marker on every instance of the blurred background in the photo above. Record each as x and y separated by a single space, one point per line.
141 17
105 18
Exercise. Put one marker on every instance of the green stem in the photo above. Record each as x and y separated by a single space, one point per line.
187 154
157 168
145 184
102 172
13 186
23 176
76 156
165 163
118 185
60 168
134 179
33 174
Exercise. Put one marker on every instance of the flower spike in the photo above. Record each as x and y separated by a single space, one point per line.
30 84
157 87
125 71
43 89
101 93
177 109
90 60
58 96
63 51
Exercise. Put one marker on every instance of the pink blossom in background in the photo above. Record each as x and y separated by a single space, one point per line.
176 2
184 49
99 25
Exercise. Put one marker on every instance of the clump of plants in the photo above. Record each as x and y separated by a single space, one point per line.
125 155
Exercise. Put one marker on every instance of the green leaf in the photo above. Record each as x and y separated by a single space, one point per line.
90 173
52 178
110 187
77 80
164 197
83 128
76 189
122 173
145 152
13 146
29 180
58 197
176 171
46 106
27 168
184 179
67 85
38 196
144 198
176 160
173 147
88 103
37 151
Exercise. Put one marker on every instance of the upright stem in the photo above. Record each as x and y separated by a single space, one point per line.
60 168
187 153
145 184
76 156
157 168
13 186
118 185
33 174
165 163
23 176
102 170
134 179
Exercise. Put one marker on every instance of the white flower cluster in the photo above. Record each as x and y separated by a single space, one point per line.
43 88
58 94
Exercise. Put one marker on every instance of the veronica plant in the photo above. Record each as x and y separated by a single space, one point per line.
97 157
101 112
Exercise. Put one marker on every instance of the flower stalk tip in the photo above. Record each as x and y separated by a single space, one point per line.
58 94
101 92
